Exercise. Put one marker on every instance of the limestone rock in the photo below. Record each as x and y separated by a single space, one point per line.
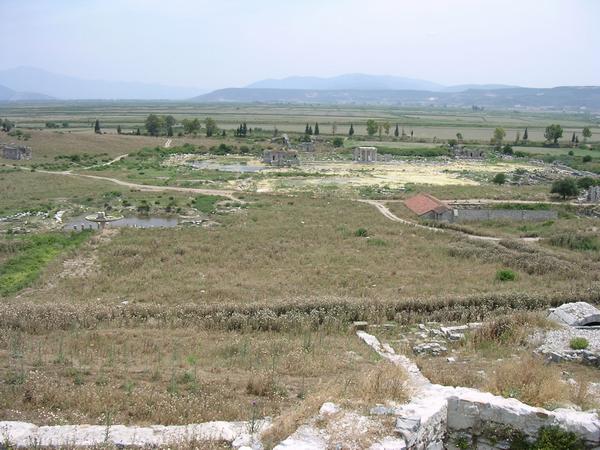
576 314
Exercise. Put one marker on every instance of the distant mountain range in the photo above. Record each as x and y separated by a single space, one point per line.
559 98
31 79
32 84
363 82
9 95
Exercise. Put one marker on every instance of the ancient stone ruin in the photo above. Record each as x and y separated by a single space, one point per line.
593 194
365 154
281 158
467 153
16 152
579 314
444 417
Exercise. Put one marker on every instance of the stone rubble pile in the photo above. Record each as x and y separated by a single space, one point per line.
577 320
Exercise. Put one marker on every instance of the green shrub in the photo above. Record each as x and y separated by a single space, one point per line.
506 275
554 438
206 203
361 232
579 343
338 142
499 178
35 252
587 158
574 241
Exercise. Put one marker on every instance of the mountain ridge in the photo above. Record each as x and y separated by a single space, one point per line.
361 81
10 95
565 97
65 87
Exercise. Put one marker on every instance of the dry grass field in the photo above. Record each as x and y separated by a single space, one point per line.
171 375
283 248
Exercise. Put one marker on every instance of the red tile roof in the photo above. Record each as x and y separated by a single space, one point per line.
424 203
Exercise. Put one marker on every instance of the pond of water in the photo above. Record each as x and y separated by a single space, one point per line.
77 223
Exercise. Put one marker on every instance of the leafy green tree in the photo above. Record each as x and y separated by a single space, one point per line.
587 133
397 131
153 124
517 138
170 131
119 130
565 187
317 129
553 133
211 126
97 127
310 130
371 127
169 121
338 142
307 130
351 130
7 125
51 125
586 182
525 135
498 137
386 128
499 178
191 126
138 132
573 138
459 137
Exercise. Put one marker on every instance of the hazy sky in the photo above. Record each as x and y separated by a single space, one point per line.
223 43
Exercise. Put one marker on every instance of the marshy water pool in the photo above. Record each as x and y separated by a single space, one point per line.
80 222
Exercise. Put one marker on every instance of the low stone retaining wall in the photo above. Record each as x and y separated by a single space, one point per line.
472 215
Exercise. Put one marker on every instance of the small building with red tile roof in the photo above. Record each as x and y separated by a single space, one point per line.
428 207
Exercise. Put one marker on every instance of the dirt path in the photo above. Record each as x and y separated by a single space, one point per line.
153 188
391 216
144 187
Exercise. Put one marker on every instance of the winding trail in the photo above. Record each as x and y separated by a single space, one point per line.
391 216
142 187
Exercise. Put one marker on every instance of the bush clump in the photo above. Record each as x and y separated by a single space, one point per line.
361 232
574 241
506 275
579 343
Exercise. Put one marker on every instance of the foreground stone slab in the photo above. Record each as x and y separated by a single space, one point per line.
27 435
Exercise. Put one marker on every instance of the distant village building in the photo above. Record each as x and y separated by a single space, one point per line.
280 157
16 152
467 153
365 154
428 207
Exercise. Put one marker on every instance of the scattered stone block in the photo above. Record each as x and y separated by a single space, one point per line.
431 348
360 325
